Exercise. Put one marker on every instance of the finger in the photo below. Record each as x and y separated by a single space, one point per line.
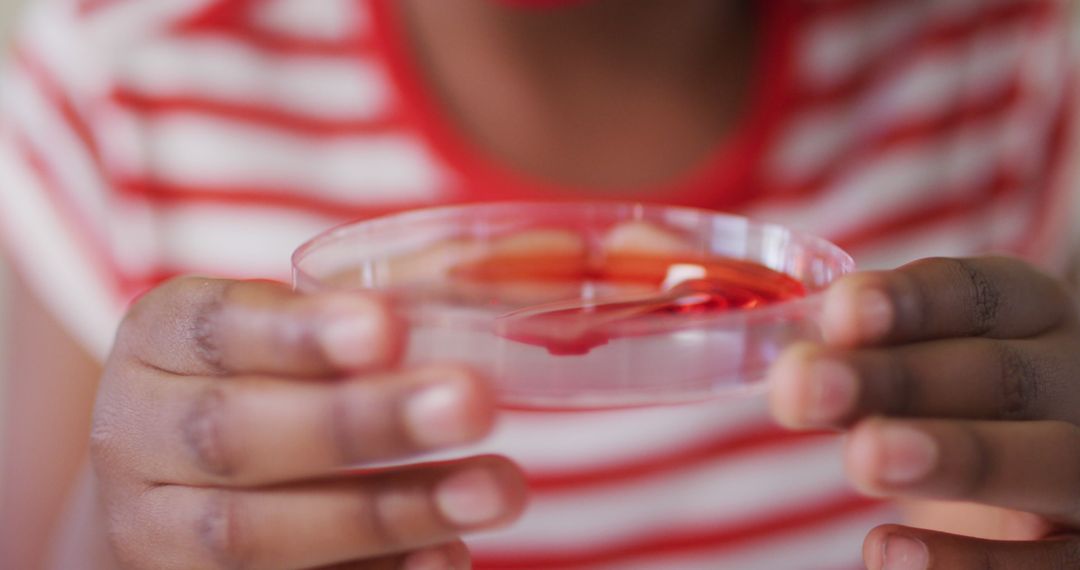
894 547
213 327
453 556
318 525
1026 466
974 378
936 298
257 431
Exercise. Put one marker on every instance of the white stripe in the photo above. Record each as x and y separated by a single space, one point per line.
938 82
345 87
235 241
52 34
27 108
994 58
1045 84
124 229
812 140
320 19
119 29
928 87
827 546
134 237
834 48
198 151
52 258
723 492
907 177
601 438
995 227
953 11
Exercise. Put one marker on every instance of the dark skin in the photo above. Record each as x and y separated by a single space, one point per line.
579 96
976 357
956 380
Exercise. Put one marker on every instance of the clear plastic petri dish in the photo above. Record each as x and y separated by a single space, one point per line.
587 305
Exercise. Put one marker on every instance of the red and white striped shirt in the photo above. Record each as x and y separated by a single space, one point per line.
147 138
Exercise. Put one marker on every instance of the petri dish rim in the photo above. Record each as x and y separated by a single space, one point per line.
305 281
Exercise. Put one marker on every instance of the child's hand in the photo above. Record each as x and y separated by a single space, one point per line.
228 411
959 380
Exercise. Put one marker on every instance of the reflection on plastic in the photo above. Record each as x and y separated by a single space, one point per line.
689 287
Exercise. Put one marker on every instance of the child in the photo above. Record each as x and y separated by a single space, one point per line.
150 138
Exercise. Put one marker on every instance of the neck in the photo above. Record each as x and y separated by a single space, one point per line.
606 93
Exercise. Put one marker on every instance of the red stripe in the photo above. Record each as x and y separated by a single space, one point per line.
294 199
57 97
751 439
89 240
936 129
930 214
1053 187
907 220
92 239
668 542
280 44
907 54
295 123
922 45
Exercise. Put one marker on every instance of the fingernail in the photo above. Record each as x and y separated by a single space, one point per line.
432 559
831 391
438 416
352 341
904 553
470 498
875 314
909 455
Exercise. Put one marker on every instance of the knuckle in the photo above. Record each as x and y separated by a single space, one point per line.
202 330
901 387
984 296
205 434
1070 505
294 334
224 533
1020 381
980 468
176 287
361 422
374 516
343 429
979 295
992 560
912 296
1068 556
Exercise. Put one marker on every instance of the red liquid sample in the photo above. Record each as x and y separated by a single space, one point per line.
576 327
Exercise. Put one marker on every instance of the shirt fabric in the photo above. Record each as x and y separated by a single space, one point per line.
148 138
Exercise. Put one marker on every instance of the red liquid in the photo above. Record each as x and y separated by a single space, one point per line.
576 327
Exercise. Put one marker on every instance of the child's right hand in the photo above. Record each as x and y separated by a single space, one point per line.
229 411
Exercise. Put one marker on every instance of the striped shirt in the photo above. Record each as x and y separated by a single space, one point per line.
146 138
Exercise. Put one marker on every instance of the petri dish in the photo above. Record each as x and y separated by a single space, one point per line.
587 305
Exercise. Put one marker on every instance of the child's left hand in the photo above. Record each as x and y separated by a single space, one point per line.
957 380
